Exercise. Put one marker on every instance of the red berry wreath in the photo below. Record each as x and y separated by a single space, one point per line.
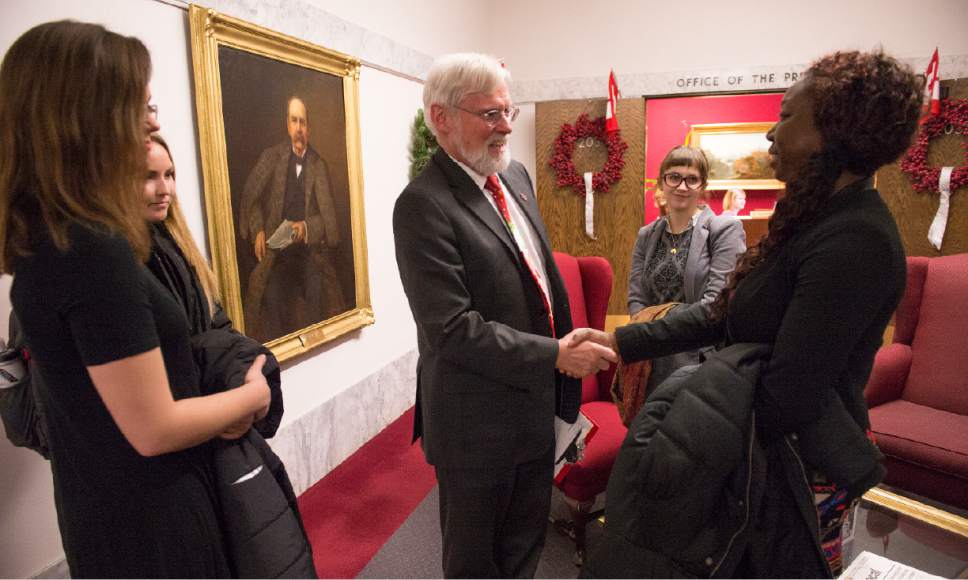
953 117
564 165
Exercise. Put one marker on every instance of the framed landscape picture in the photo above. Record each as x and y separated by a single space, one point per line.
737 155
279 137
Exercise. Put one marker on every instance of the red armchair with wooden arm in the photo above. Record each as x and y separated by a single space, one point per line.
589 284
918 388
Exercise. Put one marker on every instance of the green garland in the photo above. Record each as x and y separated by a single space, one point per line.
423 144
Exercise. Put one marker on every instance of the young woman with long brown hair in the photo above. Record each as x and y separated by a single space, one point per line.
128 432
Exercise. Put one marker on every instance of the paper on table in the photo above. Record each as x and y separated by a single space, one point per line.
868 566
282 237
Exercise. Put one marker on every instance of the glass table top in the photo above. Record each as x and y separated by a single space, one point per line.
914 533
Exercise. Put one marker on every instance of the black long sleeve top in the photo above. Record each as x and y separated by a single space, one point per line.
822 300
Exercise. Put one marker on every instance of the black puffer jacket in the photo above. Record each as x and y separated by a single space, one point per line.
679 493
223 356
261 524
695 493
263 529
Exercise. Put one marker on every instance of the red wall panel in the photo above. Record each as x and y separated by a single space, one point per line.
669 120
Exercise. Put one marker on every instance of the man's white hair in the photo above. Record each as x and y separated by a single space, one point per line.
454 76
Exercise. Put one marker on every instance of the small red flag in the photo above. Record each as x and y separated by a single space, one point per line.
611 122
932 89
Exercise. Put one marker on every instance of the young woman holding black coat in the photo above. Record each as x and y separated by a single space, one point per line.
259 516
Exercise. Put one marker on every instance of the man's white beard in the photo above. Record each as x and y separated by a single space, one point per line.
481 161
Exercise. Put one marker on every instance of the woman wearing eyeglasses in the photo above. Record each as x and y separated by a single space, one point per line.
686 255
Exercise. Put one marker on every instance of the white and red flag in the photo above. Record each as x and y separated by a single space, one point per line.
932 89
611 122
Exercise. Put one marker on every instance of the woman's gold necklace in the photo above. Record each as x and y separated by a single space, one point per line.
675 240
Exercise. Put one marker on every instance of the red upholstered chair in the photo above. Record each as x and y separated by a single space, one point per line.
918 388
589 284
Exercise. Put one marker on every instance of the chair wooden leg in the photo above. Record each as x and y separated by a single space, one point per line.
581 514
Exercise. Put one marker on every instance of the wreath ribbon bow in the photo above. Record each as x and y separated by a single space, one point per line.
589 205
936 231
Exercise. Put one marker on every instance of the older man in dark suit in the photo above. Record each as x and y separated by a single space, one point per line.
496 362
288 217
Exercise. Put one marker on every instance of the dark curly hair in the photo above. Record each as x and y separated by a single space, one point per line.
866 108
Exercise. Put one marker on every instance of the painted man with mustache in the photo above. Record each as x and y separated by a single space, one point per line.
289 220
495 361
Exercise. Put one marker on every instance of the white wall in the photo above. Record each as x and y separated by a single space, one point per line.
576 39
547 39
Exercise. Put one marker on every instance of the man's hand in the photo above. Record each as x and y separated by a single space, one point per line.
299 229
606 339
260 245
580 358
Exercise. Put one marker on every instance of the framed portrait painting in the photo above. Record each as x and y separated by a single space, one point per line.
279 135
737 155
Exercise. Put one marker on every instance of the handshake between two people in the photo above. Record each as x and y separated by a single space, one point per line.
584 351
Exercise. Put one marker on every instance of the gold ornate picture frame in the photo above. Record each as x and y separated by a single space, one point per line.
278 123
737 155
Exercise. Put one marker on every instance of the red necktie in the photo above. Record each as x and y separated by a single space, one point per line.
494 186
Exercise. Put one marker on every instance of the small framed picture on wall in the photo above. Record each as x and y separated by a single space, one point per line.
737 154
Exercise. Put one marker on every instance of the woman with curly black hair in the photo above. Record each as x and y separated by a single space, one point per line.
748 465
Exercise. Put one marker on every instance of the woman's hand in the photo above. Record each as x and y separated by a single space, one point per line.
238 429
256 381
606 339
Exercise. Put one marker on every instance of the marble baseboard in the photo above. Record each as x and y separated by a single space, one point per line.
320 440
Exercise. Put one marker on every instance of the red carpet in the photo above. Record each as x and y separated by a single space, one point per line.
353 511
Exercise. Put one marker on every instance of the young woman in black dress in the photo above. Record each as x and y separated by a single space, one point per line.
129 434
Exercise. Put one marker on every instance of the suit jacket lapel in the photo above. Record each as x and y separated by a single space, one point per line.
525 200
468 194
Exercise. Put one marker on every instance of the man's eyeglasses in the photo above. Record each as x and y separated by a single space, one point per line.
493 116
152 111
673 179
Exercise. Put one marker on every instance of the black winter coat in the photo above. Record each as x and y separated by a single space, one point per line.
261 524
694 492
264 533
